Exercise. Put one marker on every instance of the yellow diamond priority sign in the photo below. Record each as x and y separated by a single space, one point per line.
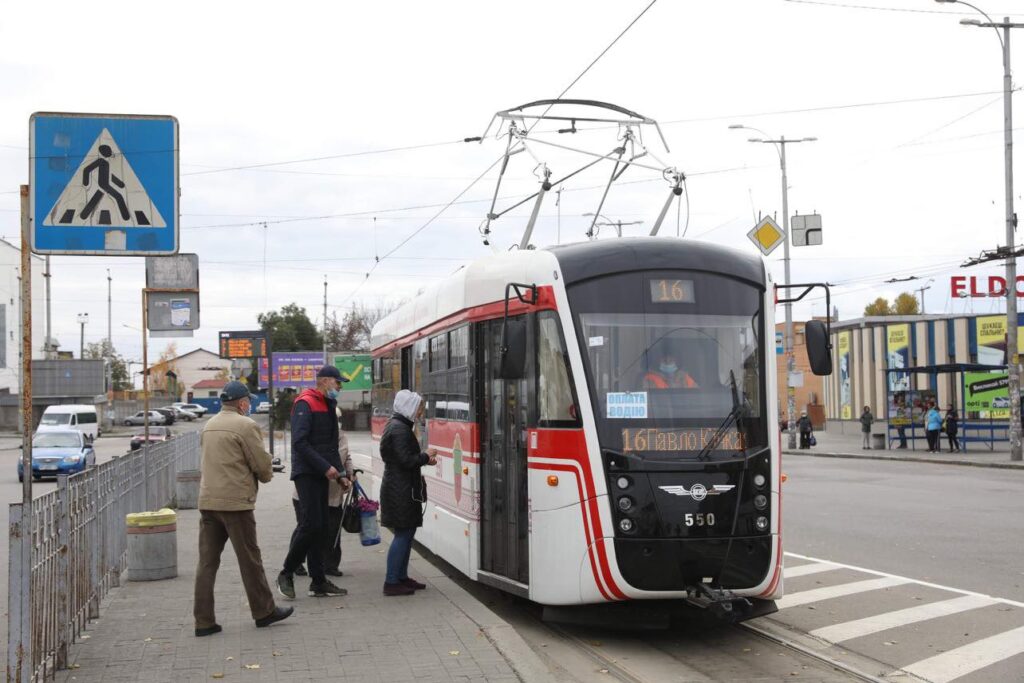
767 235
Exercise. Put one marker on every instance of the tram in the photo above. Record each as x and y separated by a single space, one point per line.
605 417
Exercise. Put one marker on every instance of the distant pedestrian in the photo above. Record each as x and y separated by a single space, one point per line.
316 462
933 427
233 460
806 429
403 491
866 420
952 423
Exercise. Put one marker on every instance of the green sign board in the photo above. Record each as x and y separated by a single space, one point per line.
356 368
987 392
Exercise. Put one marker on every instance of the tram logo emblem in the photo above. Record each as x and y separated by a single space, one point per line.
698 491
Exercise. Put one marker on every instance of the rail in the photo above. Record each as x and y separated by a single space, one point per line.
78 550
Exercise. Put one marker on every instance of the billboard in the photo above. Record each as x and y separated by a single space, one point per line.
990 334
897 351
987 392
356 368
295 369
845 398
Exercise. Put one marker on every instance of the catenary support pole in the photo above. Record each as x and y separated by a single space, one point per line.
1013 358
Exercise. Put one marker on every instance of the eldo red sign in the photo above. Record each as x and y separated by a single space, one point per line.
961 286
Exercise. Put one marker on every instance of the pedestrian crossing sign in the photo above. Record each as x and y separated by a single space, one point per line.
103 184
766 235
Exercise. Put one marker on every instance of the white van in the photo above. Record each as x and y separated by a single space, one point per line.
81 418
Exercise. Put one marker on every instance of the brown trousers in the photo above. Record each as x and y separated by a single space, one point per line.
215 528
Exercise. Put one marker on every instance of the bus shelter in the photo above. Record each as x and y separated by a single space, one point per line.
906 405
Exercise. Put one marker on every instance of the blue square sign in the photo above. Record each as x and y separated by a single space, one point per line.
103 184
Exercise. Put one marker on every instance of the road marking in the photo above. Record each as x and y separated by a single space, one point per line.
828 592
963 660
1003 601
805 569
837 633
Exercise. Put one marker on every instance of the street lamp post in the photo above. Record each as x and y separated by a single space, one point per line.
607 221
83 318
1012 357
780 147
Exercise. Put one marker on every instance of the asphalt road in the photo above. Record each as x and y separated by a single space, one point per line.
957 526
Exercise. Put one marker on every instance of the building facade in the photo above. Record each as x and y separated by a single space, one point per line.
810 392
864 348
10 314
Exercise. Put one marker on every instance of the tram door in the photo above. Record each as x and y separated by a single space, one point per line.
504 542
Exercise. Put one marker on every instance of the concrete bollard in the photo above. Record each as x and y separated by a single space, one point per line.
186 490
152 545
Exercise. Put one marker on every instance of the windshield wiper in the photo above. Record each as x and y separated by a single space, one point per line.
737 412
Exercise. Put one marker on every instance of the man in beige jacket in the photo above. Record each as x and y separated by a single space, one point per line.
233 462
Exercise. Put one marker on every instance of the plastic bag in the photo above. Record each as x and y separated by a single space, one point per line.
369 528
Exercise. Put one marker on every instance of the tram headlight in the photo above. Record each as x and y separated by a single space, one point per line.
623 482
760 501
626 525
760 480
761 523
625 503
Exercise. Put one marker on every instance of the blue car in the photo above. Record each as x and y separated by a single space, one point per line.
59 452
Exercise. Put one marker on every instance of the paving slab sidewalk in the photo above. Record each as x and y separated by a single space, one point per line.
145 629
835 445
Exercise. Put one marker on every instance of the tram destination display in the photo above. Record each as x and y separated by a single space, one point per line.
669 440
666 291
251 344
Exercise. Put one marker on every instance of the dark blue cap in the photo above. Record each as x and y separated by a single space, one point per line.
235 390
331 371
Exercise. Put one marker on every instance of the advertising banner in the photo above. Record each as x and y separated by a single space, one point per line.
296 369
357 369
987 392
845 397
897 349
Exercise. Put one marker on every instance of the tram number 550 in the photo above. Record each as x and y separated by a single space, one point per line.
699 519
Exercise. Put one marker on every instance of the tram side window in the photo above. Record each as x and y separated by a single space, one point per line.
554 387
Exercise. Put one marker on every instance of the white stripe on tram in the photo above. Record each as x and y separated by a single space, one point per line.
849 630
828 592
805 569
951 665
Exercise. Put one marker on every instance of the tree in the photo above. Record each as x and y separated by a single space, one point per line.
118 368
905 304
879 306
290 329
159 371
353 332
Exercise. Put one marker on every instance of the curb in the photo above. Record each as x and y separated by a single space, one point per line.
526 663
890 458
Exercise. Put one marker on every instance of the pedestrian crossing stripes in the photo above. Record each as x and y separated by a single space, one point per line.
963 663
806 569
829 592
882 622
956 663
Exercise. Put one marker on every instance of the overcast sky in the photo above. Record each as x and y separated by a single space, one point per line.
906 104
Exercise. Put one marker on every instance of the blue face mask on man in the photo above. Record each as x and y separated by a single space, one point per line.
668 368
332 394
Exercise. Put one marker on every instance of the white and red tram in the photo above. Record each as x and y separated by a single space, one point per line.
578 465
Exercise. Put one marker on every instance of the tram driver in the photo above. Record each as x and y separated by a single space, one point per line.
667 374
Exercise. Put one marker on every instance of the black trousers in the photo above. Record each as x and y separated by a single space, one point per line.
954 443
332 547
805 439
308 539
933 439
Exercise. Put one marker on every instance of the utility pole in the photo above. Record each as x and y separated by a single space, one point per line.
325 319
780 146
83 318
47 347
1012 357
110 350
921 291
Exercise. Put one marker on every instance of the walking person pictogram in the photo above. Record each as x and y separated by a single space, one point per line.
103 179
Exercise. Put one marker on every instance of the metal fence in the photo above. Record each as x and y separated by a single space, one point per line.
78 547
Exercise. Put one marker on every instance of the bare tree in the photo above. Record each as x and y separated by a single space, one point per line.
352 332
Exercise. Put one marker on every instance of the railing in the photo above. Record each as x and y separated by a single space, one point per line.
78 548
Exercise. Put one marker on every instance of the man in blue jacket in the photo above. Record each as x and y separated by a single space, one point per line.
315 461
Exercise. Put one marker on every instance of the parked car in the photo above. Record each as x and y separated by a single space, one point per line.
54 452
180 413
156 435
192 408
168 413
263 407
81 418
155 418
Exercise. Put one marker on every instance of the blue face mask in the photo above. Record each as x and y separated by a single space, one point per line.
332 394
668 369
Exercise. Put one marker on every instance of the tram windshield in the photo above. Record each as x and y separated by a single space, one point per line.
674 362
